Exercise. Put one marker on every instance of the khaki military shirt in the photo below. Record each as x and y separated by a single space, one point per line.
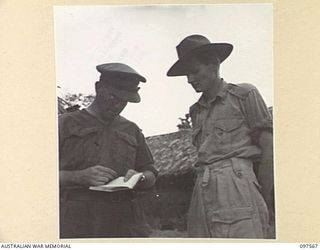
225 126
85 141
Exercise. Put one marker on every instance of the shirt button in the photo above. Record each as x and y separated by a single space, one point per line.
239 174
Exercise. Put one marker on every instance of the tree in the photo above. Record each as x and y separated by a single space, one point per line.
71 102
81 100
185 123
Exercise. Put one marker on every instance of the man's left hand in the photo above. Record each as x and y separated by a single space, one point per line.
148 181
129 174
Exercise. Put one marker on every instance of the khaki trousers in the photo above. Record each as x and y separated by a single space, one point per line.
227 203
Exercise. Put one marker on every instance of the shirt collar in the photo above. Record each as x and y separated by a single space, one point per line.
221 94
105 122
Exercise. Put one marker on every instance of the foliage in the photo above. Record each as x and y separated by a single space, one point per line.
185 123
81 100
72 102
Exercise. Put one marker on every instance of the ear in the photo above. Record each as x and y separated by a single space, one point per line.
216 67
98 86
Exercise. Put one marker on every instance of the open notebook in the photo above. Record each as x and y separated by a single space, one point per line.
118 184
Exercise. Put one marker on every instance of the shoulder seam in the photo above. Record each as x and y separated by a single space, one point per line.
240 90
131 122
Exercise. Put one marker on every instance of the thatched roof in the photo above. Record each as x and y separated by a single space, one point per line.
64 107
271 111
62 104
173 153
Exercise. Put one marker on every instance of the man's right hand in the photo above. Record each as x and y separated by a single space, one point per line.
96 175
92 176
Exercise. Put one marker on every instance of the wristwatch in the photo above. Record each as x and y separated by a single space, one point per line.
143 178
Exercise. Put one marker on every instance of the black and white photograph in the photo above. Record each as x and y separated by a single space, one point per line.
165 121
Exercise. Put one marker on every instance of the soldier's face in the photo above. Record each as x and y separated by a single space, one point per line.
201 76
110 103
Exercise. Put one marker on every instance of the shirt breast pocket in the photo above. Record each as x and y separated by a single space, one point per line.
228 133
124 151
78 148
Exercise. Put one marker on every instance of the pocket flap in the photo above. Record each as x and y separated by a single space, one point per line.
231 215
228 124
83 131
127 138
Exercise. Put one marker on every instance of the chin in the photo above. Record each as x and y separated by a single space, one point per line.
198 90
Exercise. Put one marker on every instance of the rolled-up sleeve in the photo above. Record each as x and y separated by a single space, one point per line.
256 112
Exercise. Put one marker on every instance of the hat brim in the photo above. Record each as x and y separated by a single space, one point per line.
139 77
222 50
125 95
129 75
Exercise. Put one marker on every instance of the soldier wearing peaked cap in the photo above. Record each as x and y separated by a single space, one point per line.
96 145
232 129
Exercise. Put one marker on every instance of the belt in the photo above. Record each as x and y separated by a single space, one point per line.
205 170
91 195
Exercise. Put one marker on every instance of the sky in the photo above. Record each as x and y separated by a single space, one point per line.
145 37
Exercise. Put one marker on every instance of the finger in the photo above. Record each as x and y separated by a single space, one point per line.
106 170
112 172
129 174
126 177
97 183
101 171
105 178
